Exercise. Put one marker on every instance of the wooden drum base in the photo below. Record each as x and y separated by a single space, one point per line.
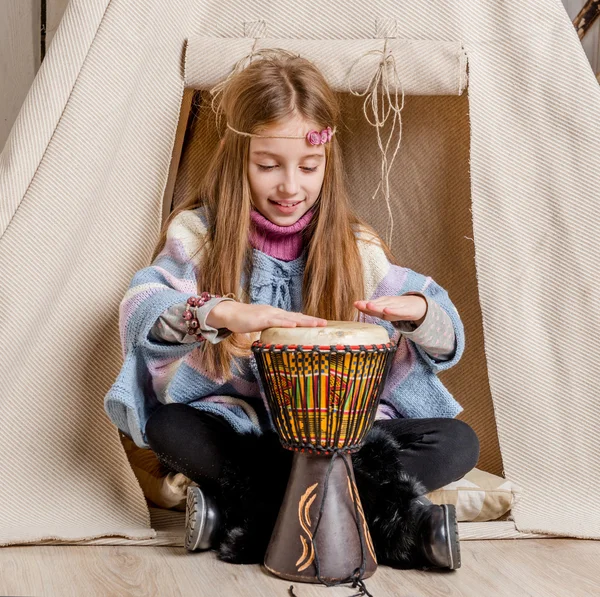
290 554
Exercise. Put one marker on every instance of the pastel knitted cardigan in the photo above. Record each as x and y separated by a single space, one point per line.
155 372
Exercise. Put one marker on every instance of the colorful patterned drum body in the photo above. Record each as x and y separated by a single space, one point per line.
323 384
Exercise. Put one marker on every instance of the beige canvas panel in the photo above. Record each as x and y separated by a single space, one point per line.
536 226
81 189
44 105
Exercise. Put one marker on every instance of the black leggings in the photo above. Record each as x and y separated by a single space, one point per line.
197 444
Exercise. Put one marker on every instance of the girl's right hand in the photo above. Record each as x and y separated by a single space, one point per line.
244 318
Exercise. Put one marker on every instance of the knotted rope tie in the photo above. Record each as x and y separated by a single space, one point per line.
379 115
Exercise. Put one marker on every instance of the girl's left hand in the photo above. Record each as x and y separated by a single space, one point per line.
395 308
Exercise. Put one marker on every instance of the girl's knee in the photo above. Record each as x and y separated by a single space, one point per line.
163 421
466 443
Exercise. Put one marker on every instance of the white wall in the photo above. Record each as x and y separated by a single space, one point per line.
20 49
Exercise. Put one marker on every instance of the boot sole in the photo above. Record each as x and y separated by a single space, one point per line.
195 518
201 520
452 536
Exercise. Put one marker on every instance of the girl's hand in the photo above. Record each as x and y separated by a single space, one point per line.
244 318
395 308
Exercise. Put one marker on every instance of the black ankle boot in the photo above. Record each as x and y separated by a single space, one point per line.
202 520
436 535
407 530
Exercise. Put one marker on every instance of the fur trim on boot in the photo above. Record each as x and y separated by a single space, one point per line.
387 493
250 495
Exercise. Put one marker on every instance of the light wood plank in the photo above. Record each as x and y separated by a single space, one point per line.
524 568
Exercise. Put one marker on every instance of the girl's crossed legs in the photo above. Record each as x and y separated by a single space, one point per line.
247 475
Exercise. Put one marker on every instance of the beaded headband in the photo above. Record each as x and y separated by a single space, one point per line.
313 137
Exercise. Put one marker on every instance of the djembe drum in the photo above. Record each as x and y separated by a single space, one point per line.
323 387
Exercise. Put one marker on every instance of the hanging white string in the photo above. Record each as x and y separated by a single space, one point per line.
387 79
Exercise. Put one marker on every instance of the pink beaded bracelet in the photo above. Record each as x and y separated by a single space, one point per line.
191 318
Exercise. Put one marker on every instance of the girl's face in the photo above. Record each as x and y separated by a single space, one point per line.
285 175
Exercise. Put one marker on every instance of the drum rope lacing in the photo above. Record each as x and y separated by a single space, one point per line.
356 578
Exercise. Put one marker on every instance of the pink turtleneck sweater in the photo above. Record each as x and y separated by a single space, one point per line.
282 242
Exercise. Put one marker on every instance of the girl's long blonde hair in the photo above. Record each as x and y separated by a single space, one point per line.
268 91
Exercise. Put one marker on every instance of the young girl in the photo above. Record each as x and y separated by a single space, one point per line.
271 241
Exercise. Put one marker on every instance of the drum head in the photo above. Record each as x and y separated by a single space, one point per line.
350 333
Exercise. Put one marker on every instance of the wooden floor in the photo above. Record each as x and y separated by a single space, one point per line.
515 568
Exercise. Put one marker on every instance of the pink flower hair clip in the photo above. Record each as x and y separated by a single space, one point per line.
318 138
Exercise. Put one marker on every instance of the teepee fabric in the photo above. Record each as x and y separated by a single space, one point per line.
510 228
